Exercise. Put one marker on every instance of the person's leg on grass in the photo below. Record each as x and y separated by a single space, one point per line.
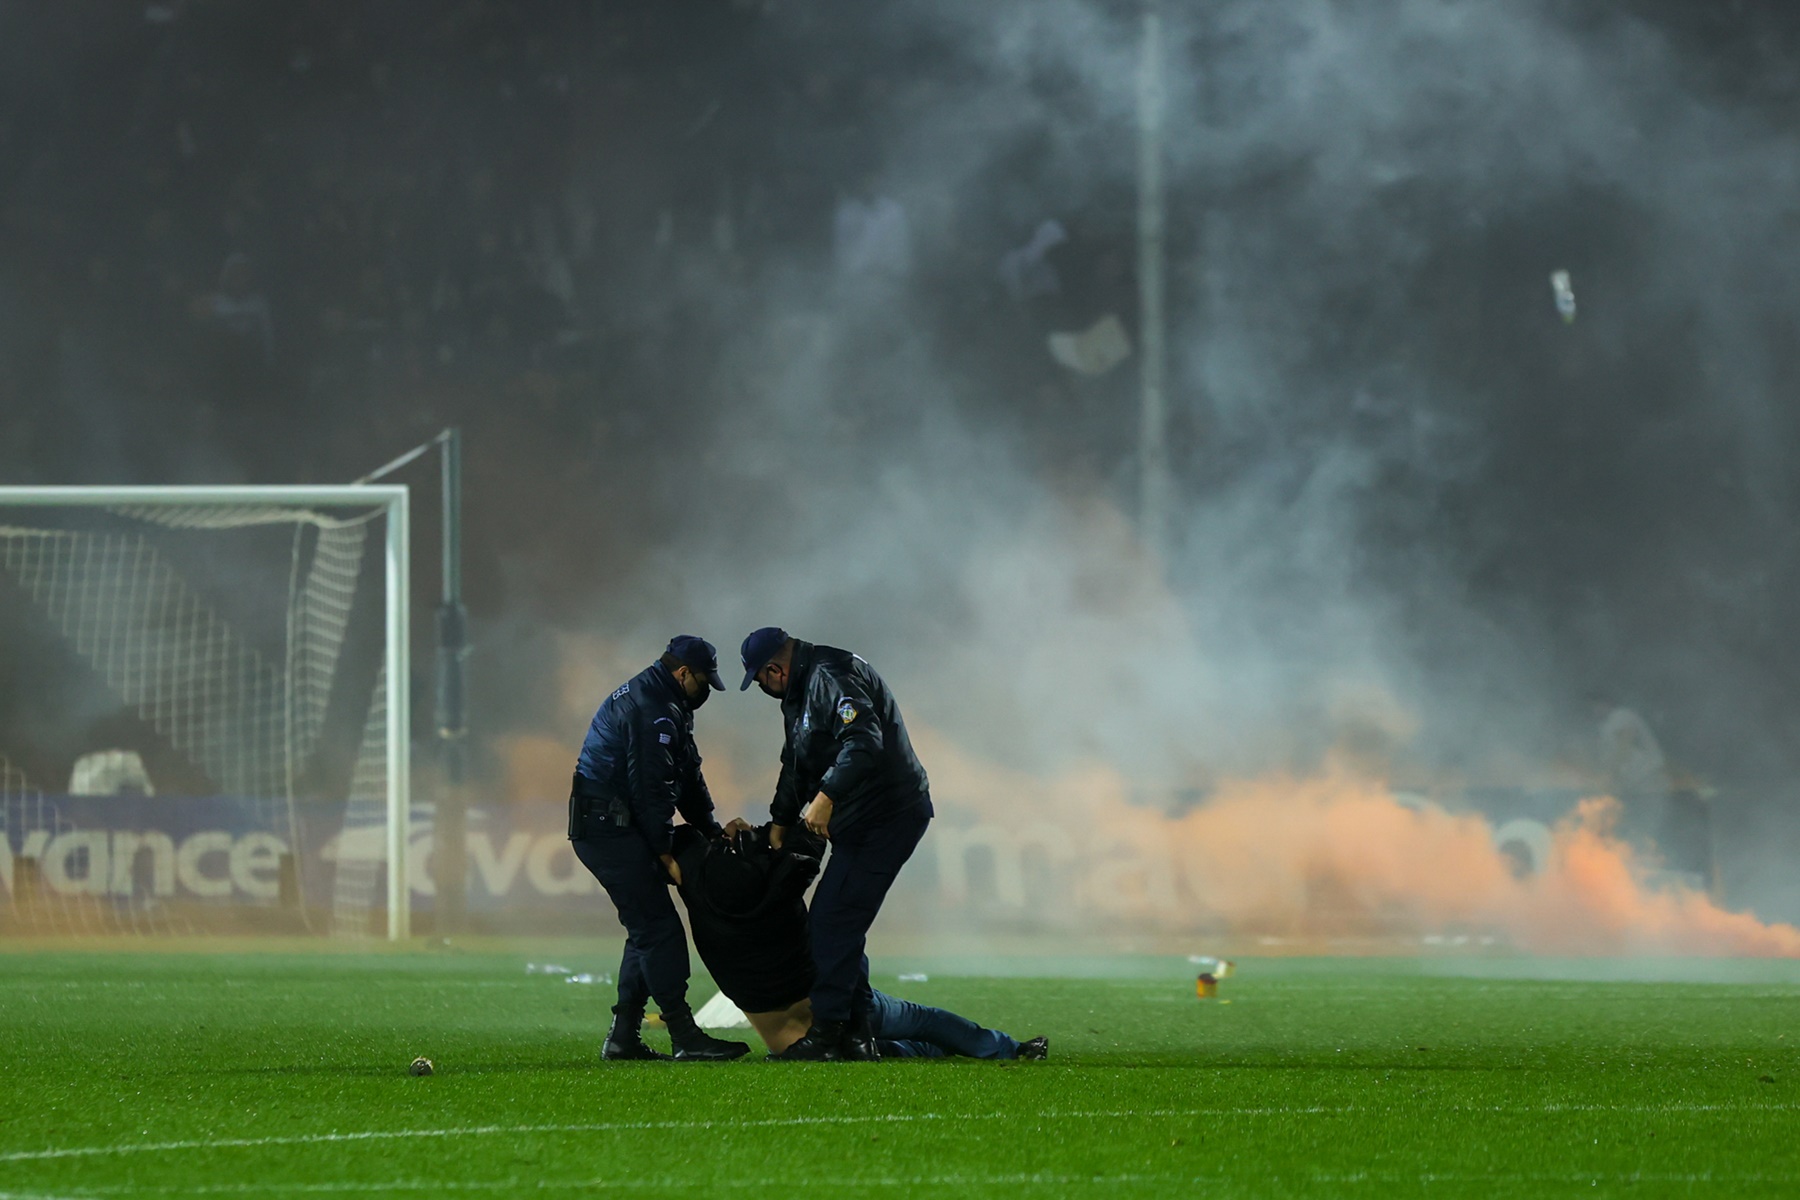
666 965
843 966
824 1035
894 1049
904 1020
614 863
857 877
840 915
634 986
656 953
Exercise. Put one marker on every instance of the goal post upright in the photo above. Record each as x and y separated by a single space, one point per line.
399 714
392 500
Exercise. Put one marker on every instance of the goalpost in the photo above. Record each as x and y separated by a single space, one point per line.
153 639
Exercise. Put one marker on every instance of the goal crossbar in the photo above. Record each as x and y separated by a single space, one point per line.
392 499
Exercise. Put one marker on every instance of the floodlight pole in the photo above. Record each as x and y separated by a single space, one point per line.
451 835
1154 486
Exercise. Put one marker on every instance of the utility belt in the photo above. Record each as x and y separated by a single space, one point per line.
596 810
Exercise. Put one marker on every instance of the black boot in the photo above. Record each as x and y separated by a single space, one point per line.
625 1041
694 1044
824 1042
859 1041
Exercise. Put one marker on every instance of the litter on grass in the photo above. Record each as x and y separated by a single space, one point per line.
914 977
721 1013
584 977
547 969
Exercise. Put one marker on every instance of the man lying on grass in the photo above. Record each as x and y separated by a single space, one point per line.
746 904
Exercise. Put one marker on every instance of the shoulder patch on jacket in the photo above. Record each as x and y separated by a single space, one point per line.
846 711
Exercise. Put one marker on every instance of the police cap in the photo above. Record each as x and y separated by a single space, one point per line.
698 655
759 648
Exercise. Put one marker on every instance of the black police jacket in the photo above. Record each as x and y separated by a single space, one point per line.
639 765
844 738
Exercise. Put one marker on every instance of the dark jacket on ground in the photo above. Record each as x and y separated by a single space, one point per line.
639 765
746 905
844 738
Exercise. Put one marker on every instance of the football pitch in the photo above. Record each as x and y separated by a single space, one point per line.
285 1074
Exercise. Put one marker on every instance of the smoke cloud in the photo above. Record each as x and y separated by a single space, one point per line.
1420 519
1311 860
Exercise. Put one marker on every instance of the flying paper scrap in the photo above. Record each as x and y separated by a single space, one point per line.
1565 295
1094 350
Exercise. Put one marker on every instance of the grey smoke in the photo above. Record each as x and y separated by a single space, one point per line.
1414 491
1421 517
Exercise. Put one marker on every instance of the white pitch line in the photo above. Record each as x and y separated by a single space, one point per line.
661 1183
666 1184
371 1135
306 1139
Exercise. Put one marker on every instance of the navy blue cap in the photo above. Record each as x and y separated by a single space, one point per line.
699 655
759 648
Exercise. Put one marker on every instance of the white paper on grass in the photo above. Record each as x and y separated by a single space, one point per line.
720 1013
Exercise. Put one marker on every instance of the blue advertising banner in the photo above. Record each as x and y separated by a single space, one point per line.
232 851
196 848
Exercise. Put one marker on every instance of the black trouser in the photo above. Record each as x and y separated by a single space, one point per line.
655 963
857 877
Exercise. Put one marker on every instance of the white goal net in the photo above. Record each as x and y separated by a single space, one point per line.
193 699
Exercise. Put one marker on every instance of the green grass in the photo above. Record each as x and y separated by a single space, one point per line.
285 1074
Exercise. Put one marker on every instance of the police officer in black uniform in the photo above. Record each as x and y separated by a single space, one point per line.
848 773
637 767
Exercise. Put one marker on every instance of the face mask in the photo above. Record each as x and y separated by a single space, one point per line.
702 698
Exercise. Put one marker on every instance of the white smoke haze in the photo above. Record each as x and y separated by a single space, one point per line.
1321 606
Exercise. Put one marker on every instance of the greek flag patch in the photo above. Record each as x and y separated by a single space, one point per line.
664 738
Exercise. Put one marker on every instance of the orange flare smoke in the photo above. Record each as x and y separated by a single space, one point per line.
1319 856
